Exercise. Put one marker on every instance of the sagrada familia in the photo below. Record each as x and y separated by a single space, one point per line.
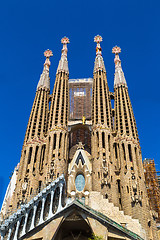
80 175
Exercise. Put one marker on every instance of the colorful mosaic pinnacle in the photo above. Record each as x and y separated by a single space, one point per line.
65 40
116 50
98 39
48 53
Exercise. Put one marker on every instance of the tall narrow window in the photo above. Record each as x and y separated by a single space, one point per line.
29 155
109 142
115 149
54 142
35 158
60 138
130 152
42 157
40 186
103 139
36 152
137 161
119 187
97 139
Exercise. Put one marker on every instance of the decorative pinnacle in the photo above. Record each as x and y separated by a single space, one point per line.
98 39
44 81
63 63
116 50
48 53
65 40
119 78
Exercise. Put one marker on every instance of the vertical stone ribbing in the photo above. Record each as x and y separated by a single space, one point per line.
58 120
33 151
101 104
38 117
133 195
102 140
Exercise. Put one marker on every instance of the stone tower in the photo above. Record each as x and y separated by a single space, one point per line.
58 120
81 169
104 166
33 152
127 152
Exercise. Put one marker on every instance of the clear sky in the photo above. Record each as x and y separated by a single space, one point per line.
27 28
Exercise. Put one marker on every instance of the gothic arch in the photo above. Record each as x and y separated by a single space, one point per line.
73 227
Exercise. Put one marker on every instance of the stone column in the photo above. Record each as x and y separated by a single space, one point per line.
16 231
25 223
34 214
42 211
51 204
60 197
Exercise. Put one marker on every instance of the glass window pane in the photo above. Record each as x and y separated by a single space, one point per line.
80 182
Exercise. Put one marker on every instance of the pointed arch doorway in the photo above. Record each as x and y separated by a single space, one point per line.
74 227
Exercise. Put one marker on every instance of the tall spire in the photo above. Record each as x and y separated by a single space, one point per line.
44 81
101 137
99 63
58 119
63 63
119 78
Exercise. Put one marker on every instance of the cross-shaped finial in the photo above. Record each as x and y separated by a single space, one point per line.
116 50
98 39
65 40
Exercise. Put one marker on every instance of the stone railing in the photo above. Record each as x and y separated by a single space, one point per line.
40 209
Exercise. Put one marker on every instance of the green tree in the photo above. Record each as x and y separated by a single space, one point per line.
95 237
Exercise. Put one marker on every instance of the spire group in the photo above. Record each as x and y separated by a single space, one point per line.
99 156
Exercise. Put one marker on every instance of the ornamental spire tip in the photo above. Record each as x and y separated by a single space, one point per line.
98 39
119 78
65 40
116 50
44 81
48 53
99 63
63 63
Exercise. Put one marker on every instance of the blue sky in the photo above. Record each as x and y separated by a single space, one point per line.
27 28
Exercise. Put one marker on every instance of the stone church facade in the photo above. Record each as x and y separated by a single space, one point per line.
80 171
